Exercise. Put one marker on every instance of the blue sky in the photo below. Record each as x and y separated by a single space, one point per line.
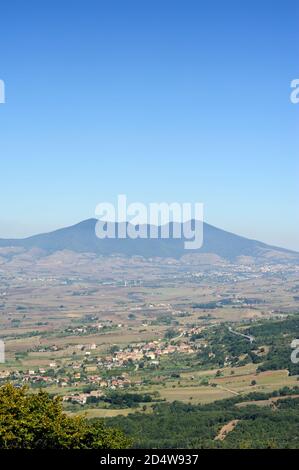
161 100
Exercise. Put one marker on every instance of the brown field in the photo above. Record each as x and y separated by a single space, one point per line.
100 413
225 387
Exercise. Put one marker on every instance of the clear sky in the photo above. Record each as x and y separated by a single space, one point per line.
163 100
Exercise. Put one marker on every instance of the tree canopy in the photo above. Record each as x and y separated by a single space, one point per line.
37 421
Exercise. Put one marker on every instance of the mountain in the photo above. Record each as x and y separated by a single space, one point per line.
81 238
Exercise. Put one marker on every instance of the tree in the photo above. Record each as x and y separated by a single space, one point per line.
170 333
37 421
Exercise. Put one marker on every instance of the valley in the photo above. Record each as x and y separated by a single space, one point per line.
112 335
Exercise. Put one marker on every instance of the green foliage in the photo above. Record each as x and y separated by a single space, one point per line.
36 421
179 425
223 346
278 335
127 400
170 333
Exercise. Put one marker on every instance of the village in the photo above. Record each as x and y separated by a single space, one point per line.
96 371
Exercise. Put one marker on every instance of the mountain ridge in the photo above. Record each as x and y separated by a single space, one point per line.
81 238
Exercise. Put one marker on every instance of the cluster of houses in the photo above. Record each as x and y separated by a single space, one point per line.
28 376
112 383
192 331
82 398
86 371
92 328
151 352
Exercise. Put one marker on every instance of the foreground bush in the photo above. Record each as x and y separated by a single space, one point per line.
37 421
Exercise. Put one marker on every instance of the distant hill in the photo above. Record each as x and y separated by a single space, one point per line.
81 238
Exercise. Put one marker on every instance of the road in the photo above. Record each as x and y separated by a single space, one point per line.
250 338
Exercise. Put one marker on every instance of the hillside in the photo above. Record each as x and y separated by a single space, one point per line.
81 238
